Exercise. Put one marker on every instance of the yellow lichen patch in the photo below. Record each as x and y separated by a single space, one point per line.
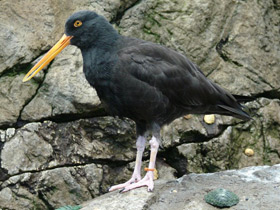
249 152
188 116
155 174
209 118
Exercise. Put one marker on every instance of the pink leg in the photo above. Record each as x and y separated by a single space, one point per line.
148 179
136 176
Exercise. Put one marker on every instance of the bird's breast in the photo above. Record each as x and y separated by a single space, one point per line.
98 66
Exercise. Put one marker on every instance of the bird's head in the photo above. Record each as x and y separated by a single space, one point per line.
87 29
83 29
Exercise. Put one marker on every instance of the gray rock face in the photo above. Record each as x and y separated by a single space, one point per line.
54 187
221 146
14 95
31 151
63 163
38 146
58 147
64 90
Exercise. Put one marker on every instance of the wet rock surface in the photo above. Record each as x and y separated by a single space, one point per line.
58 146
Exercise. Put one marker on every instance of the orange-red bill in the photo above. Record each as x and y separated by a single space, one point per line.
57 48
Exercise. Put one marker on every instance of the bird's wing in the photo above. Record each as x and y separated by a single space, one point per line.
170 73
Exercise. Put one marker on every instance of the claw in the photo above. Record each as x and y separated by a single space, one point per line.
146 181
132 180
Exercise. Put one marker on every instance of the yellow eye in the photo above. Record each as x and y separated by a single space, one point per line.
78 23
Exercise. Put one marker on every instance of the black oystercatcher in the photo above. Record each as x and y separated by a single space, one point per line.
144 81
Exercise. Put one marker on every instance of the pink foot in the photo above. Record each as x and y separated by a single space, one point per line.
135 178
146 181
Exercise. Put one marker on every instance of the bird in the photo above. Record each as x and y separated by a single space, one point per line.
143 81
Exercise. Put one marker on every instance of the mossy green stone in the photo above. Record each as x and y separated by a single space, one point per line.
221 198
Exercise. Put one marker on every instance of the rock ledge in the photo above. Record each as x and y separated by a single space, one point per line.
257 188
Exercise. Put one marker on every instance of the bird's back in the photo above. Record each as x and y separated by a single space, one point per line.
151 83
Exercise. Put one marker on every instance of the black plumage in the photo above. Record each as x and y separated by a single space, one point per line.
144 81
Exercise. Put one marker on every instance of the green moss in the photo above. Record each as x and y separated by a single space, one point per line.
36 205
152 20
272 131
237 142
169 31
156 36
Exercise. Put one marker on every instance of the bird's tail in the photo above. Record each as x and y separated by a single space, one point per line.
239 113
242 99
238 110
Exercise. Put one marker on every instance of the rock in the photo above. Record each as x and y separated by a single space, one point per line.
14 96
71 185
19 198
184 130
26 151
226 151
245 45
177 24
38 146
188 191
137 199
29 31
208 156
64 91
51 188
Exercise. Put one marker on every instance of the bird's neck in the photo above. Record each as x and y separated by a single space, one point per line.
98 62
